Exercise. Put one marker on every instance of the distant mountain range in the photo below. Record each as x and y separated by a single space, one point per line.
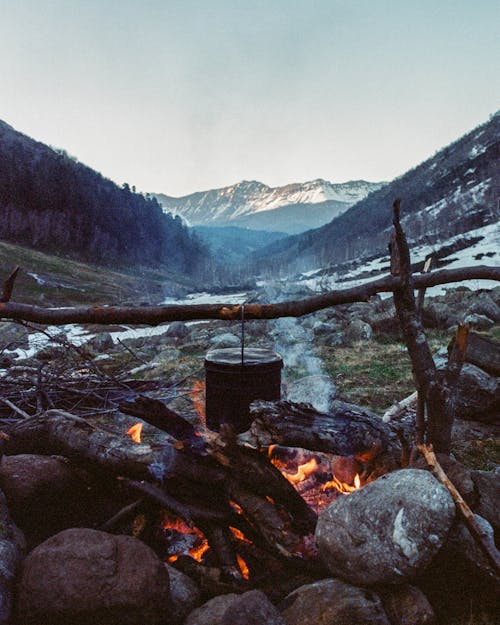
250 204
454 191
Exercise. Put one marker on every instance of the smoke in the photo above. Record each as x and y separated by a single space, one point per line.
304 377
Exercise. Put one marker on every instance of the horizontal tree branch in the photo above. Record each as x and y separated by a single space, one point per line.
154 315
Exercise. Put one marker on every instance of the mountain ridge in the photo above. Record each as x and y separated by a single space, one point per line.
255 205
453 191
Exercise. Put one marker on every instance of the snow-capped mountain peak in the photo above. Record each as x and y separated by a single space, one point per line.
241 201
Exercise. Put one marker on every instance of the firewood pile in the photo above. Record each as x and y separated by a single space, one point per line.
225 510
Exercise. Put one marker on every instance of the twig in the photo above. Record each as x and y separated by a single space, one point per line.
13 407
479 535
421 292
131 351
399 407
8 286
123 514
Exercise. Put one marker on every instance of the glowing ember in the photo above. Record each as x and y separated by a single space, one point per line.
197 395
243 566
239 535
135 432
184 540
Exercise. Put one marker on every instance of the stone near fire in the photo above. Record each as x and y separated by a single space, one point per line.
252 608
488 487
42 492
225 340
407 605
184 593
211 612
86 576
387 531
333 602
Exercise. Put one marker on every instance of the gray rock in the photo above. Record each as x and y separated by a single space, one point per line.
358 330
459 475
85 576
407 605
320 327
488 486
170 354
439 315
387 531
178 330
184 593
211 612
333 602
483 304
252 608
479 322
101 342
225 340
478 395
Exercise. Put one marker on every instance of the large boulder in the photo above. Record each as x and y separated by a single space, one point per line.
488 488
251 608
83 576
184 593
332 602
387 531
483 304
178 330
43 492
211 612
478 395
407 605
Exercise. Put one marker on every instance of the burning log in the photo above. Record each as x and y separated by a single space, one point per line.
346 430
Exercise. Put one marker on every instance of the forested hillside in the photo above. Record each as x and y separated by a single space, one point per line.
51 202
452 192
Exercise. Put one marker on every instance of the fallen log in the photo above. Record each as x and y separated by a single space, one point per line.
154 315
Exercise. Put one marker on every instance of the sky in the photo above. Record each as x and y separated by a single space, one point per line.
177 96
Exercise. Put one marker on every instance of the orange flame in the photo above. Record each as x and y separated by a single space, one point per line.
239 534
135 432
243 567
197 395
303 470
342 487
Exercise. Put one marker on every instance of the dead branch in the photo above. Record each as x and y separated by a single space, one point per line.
490 551
8 285
155 315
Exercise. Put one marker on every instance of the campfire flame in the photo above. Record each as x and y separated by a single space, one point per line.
314 476
197 395
135 432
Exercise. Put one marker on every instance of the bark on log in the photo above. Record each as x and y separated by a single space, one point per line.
346 430
155 315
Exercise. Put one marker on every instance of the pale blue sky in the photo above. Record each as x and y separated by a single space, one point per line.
176 96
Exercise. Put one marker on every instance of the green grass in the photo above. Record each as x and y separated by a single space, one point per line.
73 283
